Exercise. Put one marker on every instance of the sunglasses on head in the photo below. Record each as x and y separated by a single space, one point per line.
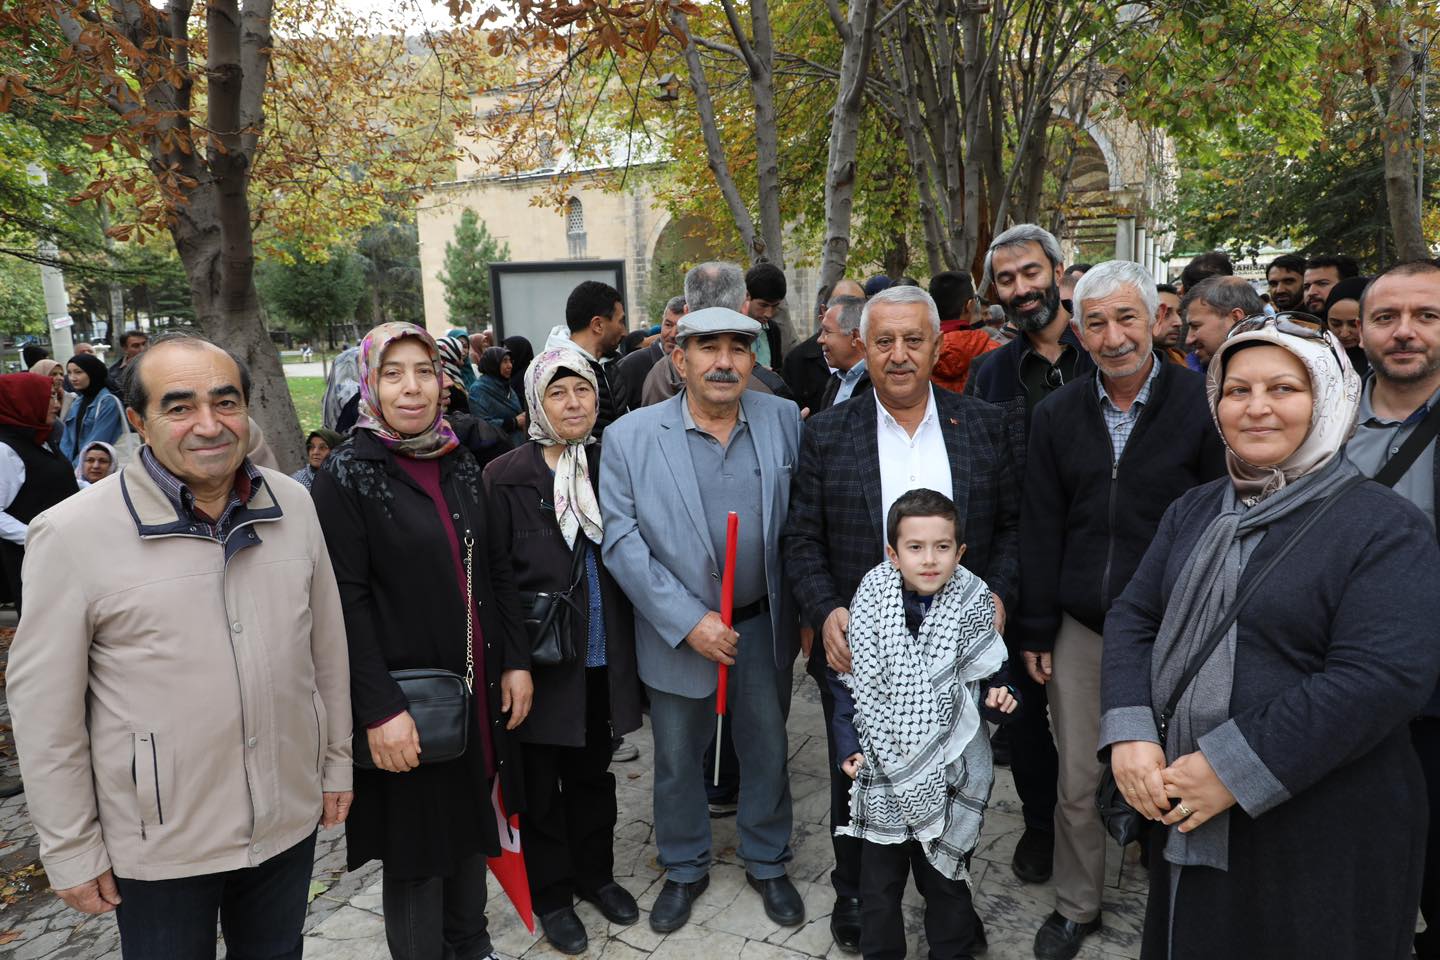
1296 323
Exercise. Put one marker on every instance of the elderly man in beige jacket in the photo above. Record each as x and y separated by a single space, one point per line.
179 684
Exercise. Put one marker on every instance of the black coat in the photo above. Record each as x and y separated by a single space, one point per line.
405 608
1333 656
807 373
1086 520
520 491
834 533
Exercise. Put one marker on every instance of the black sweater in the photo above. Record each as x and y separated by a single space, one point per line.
1086 519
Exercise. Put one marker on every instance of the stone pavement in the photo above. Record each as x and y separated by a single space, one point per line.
728 922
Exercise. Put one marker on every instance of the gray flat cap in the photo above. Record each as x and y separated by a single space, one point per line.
715 320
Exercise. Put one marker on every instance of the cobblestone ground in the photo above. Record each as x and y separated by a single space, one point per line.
728 922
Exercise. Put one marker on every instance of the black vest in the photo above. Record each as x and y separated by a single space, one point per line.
49 477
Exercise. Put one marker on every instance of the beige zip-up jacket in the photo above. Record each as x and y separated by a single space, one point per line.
177 713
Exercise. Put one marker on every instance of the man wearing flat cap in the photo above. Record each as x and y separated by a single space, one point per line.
671 474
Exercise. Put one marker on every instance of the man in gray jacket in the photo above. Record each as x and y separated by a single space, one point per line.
670 475
180 684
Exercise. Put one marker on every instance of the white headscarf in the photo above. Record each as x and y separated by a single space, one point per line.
1335 389
576 508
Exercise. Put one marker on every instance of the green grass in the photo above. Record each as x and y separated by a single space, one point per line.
308 392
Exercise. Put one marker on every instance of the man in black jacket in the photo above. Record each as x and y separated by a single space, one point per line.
805 369
1108 454
855 460
844 351
1024 272
633 368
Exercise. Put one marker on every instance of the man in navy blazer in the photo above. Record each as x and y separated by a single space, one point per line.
855 460
671 474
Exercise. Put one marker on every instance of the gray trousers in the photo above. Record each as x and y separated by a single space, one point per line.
1074 692
759 703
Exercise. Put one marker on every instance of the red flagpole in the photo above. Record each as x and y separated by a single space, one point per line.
727 614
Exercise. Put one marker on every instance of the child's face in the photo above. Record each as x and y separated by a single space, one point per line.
926 553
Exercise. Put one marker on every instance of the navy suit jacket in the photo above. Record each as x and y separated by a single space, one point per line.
835 533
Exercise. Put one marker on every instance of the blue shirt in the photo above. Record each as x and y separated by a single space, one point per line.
1121 423
848 379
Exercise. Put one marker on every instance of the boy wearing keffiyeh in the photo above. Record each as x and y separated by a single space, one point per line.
907 728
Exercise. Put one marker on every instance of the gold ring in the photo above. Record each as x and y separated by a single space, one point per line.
1186 811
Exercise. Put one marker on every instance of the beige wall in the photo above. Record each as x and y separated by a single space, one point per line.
618 225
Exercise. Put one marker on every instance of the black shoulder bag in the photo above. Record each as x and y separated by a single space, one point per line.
552 619
1410 450
1122 821
438 700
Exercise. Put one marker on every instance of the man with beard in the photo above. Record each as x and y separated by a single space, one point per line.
1285 278
1108 454
1168 330
1023 272
856 459
1400 331
1321 274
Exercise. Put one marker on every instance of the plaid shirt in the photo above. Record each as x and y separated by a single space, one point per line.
1119 422
247 482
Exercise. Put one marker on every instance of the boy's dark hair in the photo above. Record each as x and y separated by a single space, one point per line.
917 503
1344 266
587 301
765 281
952 292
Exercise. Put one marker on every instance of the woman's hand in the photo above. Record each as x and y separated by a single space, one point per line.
395 744
1202 795
517 691
1138 765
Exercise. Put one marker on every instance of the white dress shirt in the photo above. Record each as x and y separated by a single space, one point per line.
12 478
910 463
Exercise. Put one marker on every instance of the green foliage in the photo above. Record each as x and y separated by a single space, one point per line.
310 295
467 271
22 299
390 249
308 393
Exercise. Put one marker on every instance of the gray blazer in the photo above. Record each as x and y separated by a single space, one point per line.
657 544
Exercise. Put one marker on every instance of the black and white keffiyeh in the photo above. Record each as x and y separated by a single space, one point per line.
928 769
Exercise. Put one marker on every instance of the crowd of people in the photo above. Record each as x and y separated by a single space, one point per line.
1164 551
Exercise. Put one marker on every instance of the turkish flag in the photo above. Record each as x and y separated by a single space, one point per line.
509 867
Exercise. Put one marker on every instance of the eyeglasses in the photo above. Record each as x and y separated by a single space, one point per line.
1296 323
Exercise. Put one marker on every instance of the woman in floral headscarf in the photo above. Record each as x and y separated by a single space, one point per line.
409 537
1293 804
543 502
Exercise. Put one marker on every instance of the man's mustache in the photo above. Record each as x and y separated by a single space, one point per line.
722 376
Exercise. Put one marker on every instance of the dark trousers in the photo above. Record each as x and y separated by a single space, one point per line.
845 878
1033 761
1425 734
950 921
261 911
569 821
437 918
729 786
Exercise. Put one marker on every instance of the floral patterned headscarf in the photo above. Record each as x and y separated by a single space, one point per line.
438 439
576 508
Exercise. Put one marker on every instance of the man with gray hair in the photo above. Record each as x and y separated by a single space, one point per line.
858 458
844 351
1108 454
633 368
1211 309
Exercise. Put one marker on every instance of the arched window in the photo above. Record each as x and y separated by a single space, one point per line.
575 227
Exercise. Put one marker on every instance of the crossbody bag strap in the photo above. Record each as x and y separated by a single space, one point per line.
1411 449
1192 669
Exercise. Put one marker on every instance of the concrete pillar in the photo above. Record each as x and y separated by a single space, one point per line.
1125 238
1140 237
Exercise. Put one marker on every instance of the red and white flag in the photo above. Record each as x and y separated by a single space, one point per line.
509 867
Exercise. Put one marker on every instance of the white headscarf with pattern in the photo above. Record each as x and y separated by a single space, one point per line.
576 508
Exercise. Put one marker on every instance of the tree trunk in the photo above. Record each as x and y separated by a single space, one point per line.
1397 137
844 137
767 135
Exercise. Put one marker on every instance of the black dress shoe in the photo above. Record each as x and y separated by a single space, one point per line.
1034 855
564 930
1060 939
672 907
782 900
615 902
845 924
10 786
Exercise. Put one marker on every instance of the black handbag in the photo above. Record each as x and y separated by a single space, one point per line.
552 619
438 700
1122 821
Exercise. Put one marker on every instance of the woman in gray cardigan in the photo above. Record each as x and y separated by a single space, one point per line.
1293 802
